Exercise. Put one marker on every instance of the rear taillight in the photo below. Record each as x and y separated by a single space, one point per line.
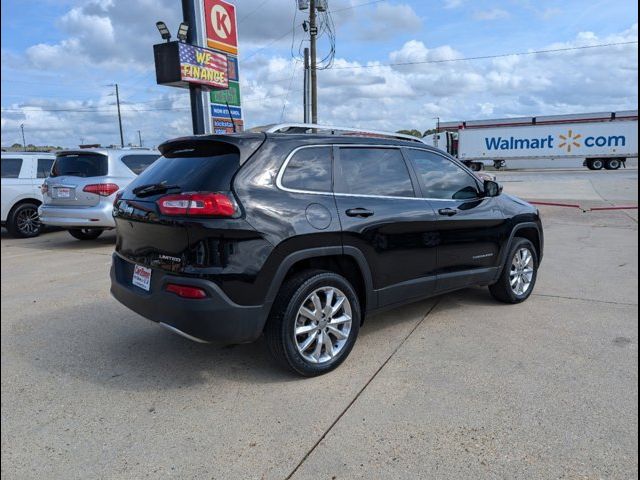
102 189
186 291
197 204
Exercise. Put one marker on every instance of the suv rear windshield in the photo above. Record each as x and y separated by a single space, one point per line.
139 163
193 170
80 165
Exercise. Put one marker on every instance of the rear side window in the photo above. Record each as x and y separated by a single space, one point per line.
207 169
11 167
80 165
139 163
44 167
373 171
441 178
309 169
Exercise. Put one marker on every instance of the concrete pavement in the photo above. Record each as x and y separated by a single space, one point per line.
455 387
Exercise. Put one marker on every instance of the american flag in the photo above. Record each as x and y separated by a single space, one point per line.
191 54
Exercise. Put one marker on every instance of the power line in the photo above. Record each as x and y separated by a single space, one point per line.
484 57
255 52
286 99
102 109
253 11
357 6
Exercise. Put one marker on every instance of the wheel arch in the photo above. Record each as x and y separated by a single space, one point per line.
529 230
21 202
348 262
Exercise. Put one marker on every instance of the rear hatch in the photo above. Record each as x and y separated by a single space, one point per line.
152 231
71 174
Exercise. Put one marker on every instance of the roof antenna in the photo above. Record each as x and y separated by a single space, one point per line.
231 116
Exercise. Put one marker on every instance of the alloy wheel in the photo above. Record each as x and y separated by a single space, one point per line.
322 325
522 270
27 221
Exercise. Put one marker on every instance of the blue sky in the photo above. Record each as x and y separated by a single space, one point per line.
59 58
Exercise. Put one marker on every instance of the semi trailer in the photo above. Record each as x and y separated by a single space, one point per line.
598 140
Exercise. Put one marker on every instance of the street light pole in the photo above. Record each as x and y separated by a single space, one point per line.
119 116
24 144
140 138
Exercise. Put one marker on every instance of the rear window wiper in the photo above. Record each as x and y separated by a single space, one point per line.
144 190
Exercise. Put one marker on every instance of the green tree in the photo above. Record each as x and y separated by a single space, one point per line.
415 133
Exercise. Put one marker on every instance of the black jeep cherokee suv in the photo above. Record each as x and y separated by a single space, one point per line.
300 235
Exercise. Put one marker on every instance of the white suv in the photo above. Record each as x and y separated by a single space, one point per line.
22 176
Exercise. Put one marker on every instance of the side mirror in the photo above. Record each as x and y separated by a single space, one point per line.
492 188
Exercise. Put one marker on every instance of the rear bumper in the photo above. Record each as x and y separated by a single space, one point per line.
215 318
98 216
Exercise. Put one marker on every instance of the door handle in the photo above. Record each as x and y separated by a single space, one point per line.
359 212
448 212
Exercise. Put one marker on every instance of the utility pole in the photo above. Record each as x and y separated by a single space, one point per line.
140 138
305 93
24 144
435 138
313 32
119 116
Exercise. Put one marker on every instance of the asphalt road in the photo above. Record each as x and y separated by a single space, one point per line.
450 388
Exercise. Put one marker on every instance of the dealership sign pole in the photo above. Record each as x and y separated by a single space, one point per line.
204 61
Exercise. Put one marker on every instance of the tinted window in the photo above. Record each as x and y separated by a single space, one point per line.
138 163
208 169
44 167
309 169
11 167
441 178
80 165
373 171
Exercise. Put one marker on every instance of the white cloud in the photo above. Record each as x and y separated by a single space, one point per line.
453 3
388 20
493 14
379 96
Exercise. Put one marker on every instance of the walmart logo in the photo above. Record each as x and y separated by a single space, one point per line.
570 140
567 142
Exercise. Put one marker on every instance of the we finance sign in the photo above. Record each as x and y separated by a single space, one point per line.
203 66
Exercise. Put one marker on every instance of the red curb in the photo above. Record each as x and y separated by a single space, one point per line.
553 204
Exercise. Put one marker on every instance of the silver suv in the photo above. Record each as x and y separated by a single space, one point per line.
79 193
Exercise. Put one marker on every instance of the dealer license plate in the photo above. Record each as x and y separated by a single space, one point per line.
142 277
63 192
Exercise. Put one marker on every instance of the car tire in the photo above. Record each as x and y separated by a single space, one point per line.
23 221
595 164
85 233
613 164
324 336
519 274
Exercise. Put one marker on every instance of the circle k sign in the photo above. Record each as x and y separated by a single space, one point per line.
221 28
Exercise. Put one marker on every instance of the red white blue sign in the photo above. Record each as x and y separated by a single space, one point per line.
203 66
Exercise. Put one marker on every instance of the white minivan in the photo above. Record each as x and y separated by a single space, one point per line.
22 175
